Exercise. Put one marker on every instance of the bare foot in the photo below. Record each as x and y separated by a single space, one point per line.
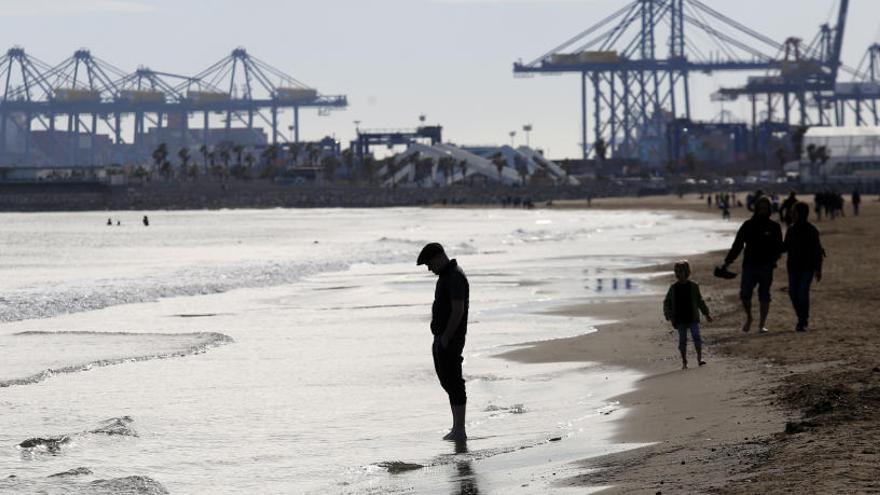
455 436
684 365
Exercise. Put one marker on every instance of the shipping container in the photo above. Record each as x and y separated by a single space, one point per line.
143 96
207 96
296 94
77 95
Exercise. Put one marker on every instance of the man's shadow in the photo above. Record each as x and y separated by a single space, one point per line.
465 480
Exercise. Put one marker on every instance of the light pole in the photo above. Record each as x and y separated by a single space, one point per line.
527 129
512 134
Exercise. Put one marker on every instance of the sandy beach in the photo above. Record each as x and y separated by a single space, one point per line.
781 412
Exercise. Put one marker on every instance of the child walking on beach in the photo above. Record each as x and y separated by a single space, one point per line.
682 307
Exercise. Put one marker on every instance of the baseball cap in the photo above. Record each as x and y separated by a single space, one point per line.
429 251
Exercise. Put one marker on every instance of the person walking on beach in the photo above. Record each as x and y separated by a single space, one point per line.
762 239
804 261
785 211
449 315
682 307
856 200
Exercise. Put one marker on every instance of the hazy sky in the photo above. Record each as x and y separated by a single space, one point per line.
395 59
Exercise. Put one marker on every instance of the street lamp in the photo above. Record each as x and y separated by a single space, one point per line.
527 128
512 134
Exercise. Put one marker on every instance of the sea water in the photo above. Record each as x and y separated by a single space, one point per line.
288 351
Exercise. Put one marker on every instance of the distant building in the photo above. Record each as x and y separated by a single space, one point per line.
852 153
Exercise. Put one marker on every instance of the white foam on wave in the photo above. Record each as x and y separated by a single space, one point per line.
43 302
71 352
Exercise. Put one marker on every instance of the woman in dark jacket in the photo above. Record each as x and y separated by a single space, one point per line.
804 262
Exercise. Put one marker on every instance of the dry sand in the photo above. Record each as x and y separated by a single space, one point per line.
782 412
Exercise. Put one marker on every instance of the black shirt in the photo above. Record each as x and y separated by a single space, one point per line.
804 249
452 285
762 238
684 306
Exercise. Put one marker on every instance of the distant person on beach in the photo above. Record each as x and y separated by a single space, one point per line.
146 221
786 210
804 262
682 307
762 239
109 222
449 315
856 200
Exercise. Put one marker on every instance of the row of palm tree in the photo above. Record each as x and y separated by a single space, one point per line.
228 159
424 167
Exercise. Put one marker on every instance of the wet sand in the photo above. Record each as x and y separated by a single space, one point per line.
775 413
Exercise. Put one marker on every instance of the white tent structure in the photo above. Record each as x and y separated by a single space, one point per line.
477 162
476 165
552 168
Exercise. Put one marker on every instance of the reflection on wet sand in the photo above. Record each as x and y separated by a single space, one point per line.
464 480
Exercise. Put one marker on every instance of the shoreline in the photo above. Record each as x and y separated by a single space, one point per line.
732 426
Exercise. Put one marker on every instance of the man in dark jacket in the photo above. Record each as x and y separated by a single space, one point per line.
449 326
804 261
762 239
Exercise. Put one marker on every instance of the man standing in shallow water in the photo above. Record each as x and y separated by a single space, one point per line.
449 325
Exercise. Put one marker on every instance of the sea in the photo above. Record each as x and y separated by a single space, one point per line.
288 351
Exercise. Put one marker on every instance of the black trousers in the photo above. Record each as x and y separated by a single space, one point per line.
447 364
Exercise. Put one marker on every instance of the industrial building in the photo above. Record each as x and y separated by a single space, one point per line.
636 65
86 111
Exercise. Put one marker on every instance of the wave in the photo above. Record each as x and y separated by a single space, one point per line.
182 344
41 302
44 302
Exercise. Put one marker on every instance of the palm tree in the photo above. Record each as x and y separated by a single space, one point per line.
239 151
225 156
216 171
204 150
159 156
166 170
426 164
447 165
192 171
463 166
183 154
522 168
500 163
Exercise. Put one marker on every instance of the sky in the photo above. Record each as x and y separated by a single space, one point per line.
450 60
